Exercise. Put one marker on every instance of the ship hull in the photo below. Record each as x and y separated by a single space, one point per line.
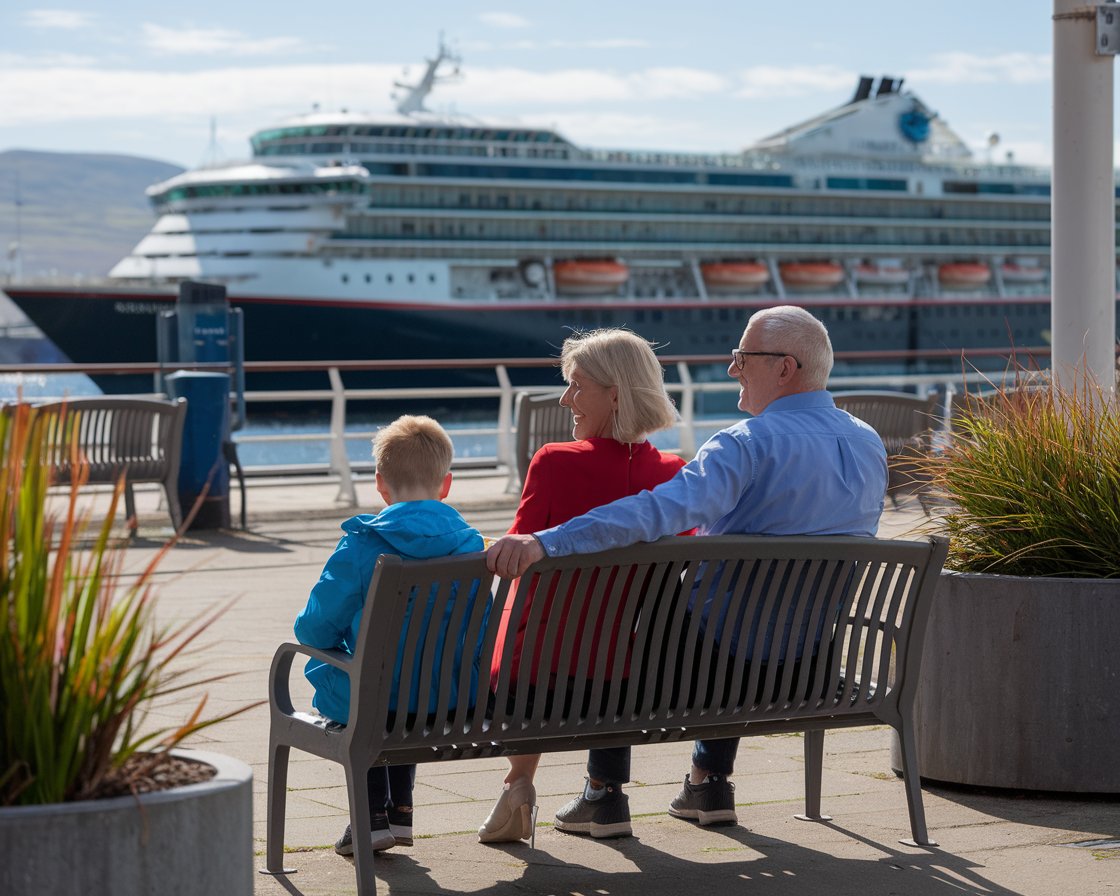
115 326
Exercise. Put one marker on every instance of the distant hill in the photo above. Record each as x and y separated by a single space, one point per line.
79 214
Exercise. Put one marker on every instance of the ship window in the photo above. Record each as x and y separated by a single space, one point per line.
369 279
345 278
431 278
411 278
388 278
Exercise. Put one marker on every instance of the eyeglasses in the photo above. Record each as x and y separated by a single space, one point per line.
739 357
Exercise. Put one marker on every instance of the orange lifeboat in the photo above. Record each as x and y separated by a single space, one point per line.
811 274
964 274
881 274
589 277
1017 272
734 276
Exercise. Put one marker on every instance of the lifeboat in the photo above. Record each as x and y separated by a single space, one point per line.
964 274
881 274
811 274
1019 272
734 276
590 277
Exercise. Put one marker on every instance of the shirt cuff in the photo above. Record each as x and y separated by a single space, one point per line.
552 541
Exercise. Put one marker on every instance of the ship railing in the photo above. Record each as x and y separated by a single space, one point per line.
690 380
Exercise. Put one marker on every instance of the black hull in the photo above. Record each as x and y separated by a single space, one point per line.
118 326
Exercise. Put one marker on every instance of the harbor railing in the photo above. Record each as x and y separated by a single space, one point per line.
690 380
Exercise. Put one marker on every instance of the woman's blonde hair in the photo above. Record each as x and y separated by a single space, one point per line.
413 453
617 357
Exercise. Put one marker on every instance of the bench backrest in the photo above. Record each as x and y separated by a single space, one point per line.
540 420
867 598
142 436
901 420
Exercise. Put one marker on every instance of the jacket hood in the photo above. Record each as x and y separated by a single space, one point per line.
417 530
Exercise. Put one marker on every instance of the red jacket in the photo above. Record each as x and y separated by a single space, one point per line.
565 480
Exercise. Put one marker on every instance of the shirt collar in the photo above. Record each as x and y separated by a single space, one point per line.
801 401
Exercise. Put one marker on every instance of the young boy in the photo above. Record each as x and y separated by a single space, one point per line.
413 460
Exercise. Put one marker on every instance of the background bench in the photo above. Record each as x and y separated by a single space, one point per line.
869 599
540 420
904 423
141 437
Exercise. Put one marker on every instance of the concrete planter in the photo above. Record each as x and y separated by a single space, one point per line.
1021 684
189 841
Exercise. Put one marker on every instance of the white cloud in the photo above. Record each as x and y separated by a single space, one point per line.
46 60
795 80
605 43
256 95
65 19
676 83
522 88
504 20
213 41
972 68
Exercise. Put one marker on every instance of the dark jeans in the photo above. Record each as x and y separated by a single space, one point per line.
609 764
389 785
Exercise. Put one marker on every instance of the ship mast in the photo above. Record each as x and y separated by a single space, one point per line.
413 100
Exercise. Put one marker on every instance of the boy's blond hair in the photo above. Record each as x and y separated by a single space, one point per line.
413 453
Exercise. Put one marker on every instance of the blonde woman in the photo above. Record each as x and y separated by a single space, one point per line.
617 397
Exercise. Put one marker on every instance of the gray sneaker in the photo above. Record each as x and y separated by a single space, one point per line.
712 802
607 816
381 838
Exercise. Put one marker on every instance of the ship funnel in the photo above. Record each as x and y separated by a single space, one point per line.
863 89
886 86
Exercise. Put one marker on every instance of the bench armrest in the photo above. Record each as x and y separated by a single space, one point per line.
279 692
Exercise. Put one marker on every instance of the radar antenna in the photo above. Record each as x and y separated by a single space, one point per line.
412 101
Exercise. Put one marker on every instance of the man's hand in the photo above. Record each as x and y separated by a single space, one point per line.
511 555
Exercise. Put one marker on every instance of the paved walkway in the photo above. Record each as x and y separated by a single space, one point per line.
990 843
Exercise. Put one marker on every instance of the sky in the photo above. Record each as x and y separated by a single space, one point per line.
188 83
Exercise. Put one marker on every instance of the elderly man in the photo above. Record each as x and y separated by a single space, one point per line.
797 466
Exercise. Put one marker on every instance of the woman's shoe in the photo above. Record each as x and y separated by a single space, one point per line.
511 819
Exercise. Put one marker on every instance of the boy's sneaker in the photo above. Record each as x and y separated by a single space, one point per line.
400 826
712 802
380 837
607 816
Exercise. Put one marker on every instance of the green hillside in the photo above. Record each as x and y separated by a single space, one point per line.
79 213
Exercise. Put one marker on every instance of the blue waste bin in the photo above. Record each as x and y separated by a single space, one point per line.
204 471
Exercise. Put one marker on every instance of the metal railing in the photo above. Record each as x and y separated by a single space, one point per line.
688 390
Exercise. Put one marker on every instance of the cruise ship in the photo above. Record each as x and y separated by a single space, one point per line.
413 236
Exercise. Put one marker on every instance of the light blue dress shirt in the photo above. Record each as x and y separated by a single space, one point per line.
801 467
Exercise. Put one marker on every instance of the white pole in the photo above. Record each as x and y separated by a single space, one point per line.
1083 204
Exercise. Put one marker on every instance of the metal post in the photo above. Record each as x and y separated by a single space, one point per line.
1083 204
340 460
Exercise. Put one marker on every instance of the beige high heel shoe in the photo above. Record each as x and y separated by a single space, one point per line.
514 816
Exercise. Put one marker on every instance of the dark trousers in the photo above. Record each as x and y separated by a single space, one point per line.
389 785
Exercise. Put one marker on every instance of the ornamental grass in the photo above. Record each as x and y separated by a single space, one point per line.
81 657
1030 483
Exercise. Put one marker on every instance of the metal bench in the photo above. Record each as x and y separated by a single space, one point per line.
540 420
140 437
904 423
868 599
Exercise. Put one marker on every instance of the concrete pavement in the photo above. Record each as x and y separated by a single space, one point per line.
989 843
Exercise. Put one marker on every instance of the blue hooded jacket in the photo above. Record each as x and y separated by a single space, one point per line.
413 530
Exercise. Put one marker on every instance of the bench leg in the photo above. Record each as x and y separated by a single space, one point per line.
130 509
359 829
277 807
913 781
814 769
